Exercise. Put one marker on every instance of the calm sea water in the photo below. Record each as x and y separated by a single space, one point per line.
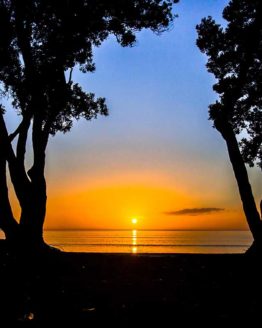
149 241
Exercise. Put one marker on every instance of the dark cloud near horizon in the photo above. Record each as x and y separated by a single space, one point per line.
195 211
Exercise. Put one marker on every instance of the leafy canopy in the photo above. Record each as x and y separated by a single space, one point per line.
40 40
235 58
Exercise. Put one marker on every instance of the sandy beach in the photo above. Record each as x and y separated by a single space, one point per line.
121 290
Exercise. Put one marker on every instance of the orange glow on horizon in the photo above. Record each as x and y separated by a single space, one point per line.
113 204
111 207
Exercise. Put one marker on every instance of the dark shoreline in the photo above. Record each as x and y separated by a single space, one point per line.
122 290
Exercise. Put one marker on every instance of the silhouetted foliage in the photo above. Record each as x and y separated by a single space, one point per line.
235 58
41 42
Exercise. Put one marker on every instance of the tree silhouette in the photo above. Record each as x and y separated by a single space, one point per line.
235 58
41 41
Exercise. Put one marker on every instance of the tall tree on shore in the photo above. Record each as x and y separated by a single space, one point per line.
235 58
41 42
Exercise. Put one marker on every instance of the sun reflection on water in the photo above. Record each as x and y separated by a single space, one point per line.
134 250
134 241
134 237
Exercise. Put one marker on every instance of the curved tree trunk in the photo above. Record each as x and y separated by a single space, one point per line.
34 210
7 222
245 190
30 189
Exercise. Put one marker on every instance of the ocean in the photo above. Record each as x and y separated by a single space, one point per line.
148 241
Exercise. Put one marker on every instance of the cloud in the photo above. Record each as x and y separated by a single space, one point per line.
195 211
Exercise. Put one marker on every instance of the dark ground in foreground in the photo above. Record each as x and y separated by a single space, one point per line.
122 290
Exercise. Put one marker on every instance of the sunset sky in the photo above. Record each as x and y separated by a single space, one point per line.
156 156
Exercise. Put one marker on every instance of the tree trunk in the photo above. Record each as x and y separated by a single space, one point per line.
34 211
32 217
240 171
7 222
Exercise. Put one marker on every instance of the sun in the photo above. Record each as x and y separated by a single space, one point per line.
134 220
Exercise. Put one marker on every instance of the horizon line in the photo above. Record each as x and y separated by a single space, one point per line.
128 229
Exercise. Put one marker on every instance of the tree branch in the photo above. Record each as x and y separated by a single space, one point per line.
60 99
23 38
13 135
17 173
70 76
6 147
21 143
36 172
